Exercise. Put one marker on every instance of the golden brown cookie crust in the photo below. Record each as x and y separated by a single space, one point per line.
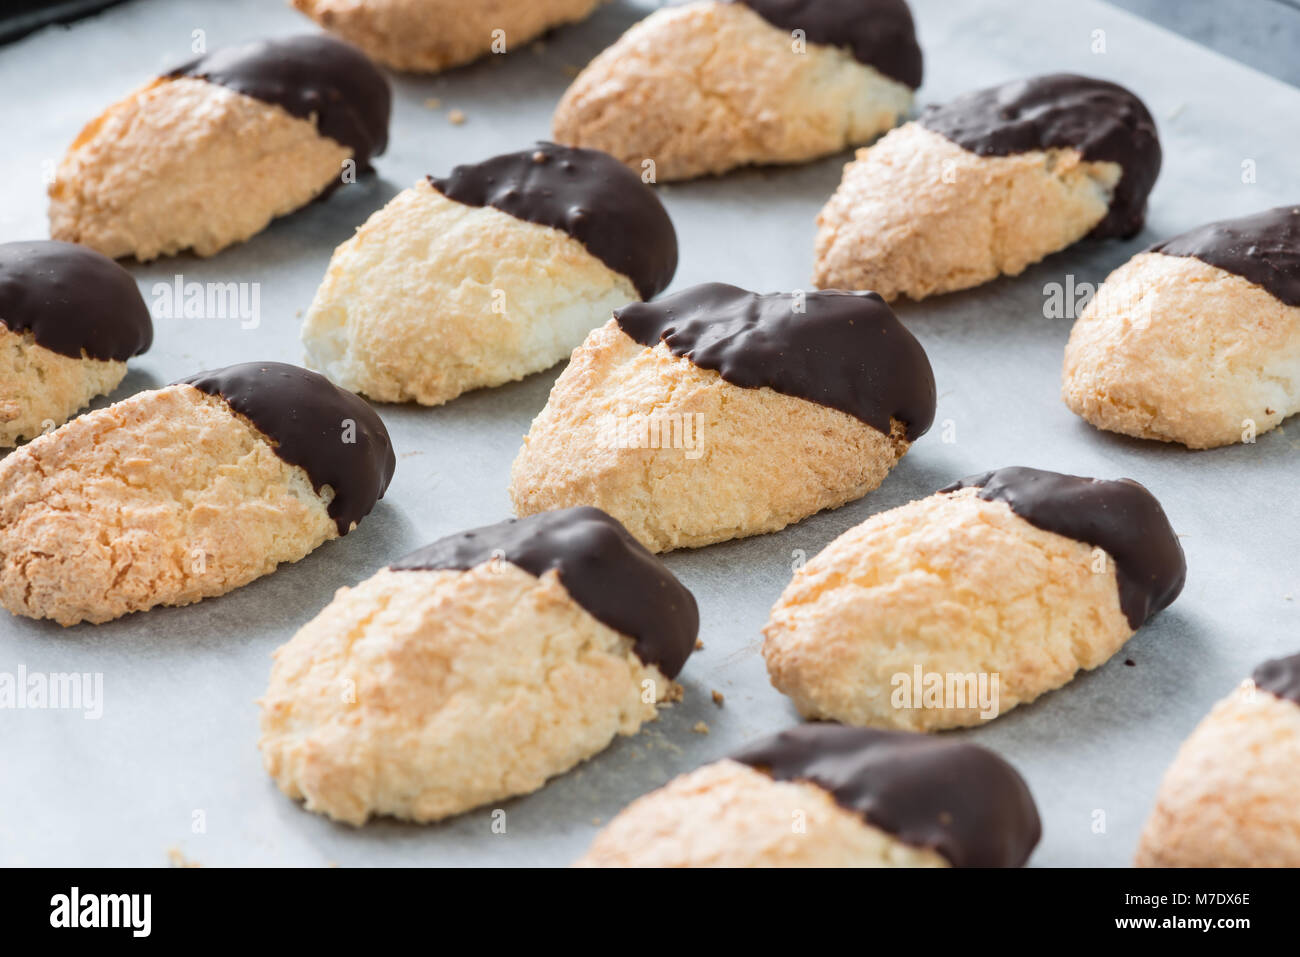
953 584
1177 350
164 498
423 694
184 164
432 298
707 87
426 36
917 215
728 815
1229 797
41 389
761 461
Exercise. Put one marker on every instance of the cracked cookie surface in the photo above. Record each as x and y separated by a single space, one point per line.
164 498
952 584
421 694
732 461
1177 350
917 215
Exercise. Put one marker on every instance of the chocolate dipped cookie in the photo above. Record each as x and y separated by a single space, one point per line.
826 795
487 275
475 669
988 184
1229 798
207 155
708 86
185 492
427 36
956 608
717 413
1197 339
70 319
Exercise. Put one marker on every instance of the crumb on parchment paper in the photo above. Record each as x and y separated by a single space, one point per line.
176 858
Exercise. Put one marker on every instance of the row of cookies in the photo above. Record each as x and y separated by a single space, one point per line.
1016 172
477 668
624 329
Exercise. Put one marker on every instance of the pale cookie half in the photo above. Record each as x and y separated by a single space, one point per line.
69 320
823 795
427 36
185 492
1196 340
987 185
717 413
955 608
488 275
1229 797
709 86
475 669
209 154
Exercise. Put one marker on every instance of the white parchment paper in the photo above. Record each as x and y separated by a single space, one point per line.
176 742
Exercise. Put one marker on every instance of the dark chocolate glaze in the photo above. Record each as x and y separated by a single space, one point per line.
587 194
72 299
955 798
1121 517
307 75
602 567
879 33
1264 249
305 415
845 350
1103 121
1280 677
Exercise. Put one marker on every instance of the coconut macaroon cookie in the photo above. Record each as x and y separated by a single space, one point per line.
712 85
475 669
431 35
487 275
185 492
718 413
69 320
955 608
1197 339
1229 798
207 155
987 185
825 795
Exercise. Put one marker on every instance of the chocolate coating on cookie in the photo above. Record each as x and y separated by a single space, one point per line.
72 300
845 350
335 437
1263 248
1121 517
587 194
955 798
308 76
1280 677
1103 121
602 567
879 33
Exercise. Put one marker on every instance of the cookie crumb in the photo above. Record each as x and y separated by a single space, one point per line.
675 693
433 102
700 728
718 698
699 645
570 70
177 859
456 117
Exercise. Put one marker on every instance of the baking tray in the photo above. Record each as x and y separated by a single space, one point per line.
172 763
